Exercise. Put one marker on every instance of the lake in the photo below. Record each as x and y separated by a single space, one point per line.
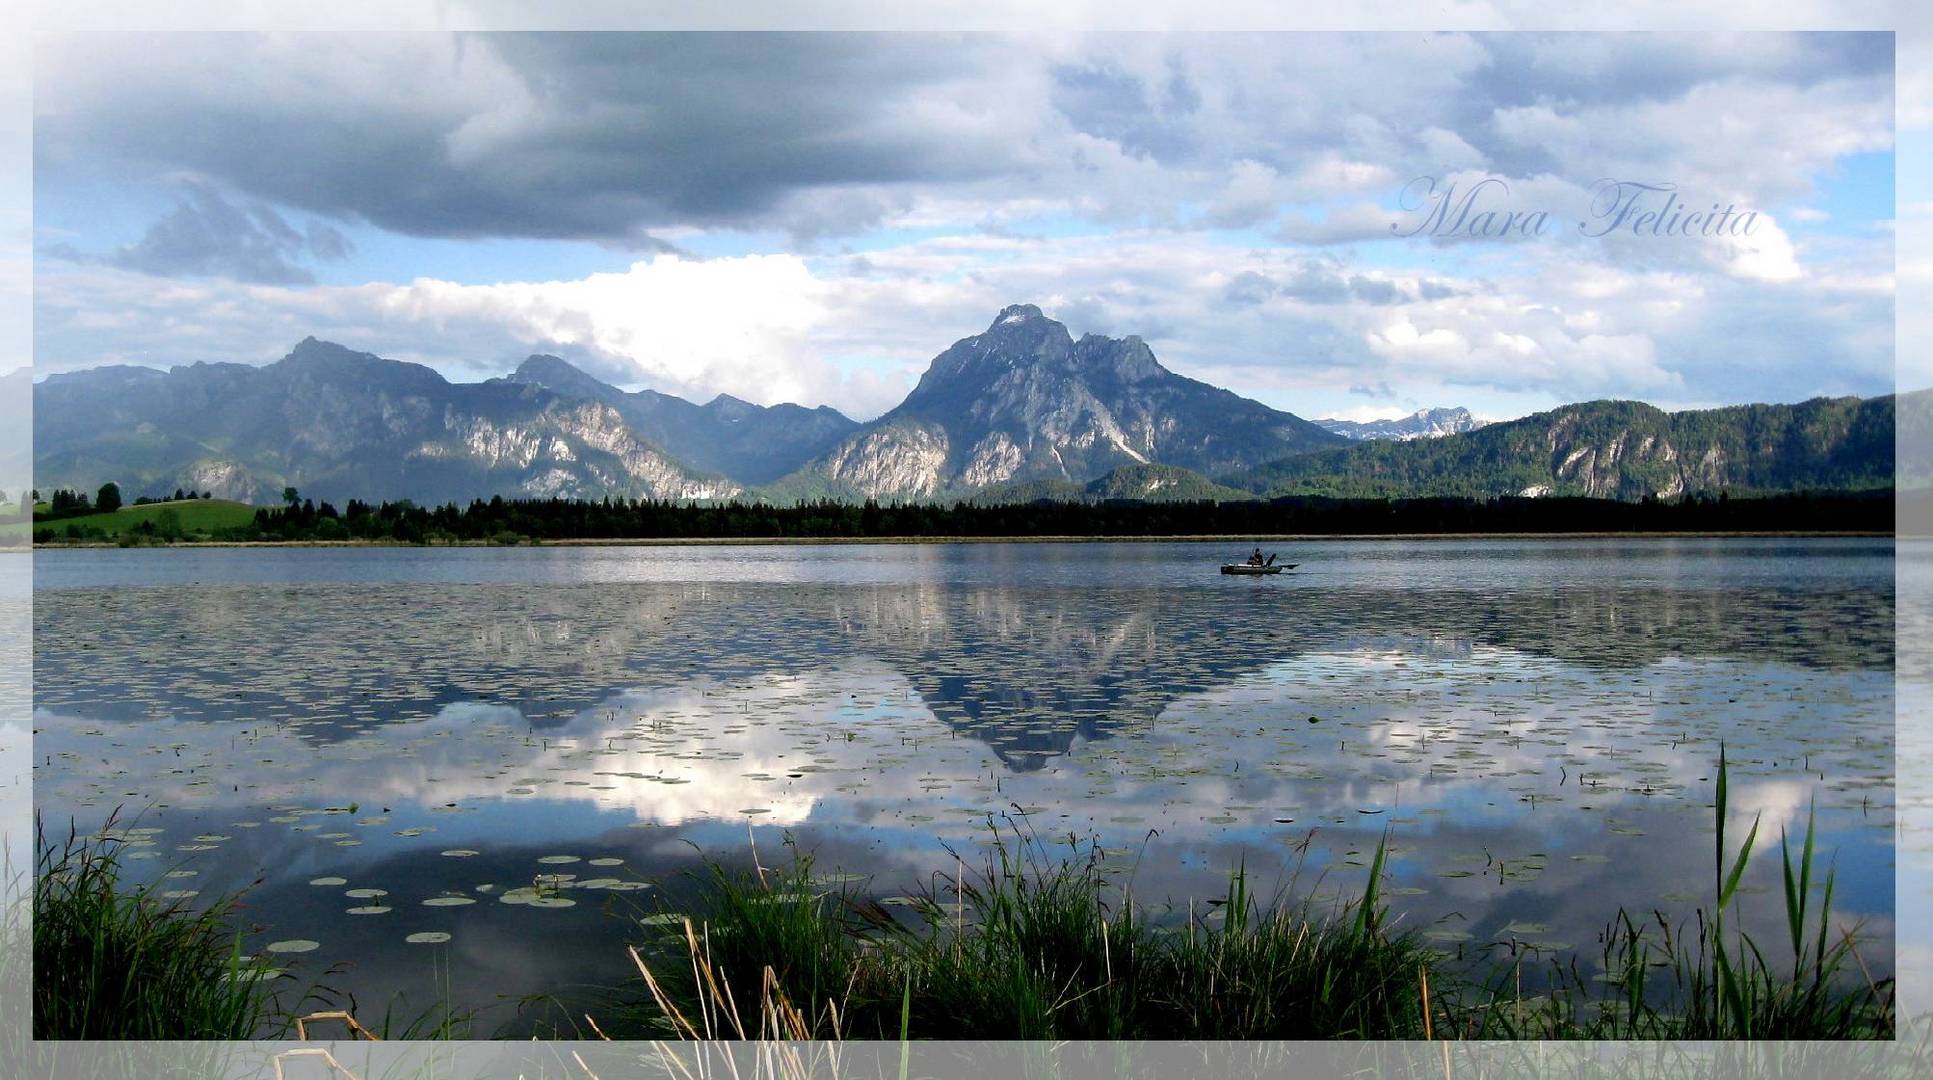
387 744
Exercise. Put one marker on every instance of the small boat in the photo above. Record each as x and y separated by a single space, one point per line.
1251 568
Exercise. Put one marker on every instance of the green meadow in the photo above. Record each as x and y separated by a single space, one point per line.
192 516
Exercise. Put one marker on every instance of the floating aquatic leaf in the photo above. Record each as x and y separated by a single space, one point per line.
252 974
428 937
293 945
844 878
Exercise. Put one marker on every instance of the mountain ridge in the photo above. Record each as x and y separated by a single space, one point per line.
1024 400
1421 424
752 444
1612 449
1022 409
341 424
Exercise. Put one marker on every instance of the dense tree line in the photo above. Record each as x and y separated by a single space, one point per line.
179 496
520 520
66 504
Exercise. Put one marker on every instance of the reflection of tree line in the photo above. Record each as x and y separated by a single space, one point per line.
1025 669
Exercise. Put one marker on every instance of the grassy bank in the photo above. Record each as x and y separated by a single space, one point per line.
1031 947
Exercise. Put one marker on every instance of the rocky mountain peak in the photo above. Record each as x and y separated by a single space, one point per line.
1421 424
731 409
1014 314
1022 327
314 362
1024 401
1128 359
564 377
315 350
545 363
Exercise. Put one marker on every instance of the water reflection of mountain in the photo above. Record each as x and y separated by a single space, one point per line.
1030 670
1025 669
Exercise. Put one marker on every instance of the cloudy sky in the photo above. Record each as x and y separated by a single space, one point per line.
813 217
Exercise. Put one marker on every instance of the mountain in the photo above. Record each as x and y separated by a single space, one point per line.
16 451
1025 401
751 443
1140 483
1022 411
338 424
1612 449
1421 424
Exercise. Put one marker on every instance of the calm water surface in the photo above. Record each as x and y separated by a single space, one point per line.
1533 724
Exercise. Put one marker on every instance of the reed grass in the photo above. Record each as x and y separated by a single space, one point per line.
117 963
1028 947
1704 981
1034 943
1034 946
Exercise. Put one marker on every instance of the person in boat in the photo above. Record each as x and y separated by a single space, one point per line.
1256 559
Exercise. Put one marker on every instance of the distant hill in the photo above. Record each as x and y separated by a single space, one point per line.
1421 424
1612 449
1025 401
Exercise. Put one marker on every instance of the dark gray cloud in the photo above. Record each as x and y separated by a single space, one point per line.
611 137
1577 73
1147 118
582 136
206 234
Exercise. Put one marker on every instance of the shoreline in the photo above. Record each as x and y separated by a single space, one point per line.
815 541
